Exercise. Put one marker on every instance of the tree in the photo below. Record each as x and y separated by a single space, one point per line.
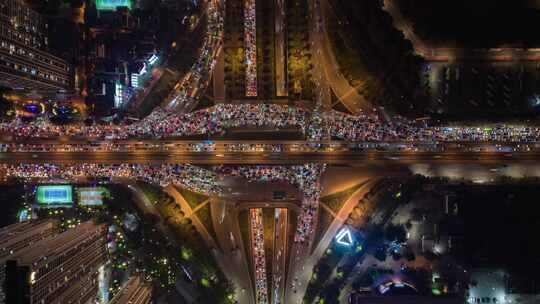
186 221
365 280
395 233
5 106
380 253
409 255
408 225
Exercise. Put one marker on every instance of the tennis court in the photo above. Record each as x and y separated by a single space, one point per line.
54 195
91 196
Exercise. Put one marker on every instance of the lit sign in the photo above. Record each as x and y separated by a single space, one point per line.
118 100
153 59
135 80
111 5
344 237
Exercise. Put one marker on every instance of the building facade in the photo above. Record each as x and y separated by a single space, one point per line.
58 270
120 43
25 62
15 237
136 291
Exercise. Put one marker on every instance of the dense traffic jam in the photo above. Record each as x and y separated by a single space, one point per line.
185 94
208 181
216 120
259 260
250 42
191 177
265 148
305 177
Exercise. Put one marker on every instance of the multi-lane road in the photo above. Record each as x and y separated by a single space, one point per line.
303 260
327 62
225 221
261 158
279 261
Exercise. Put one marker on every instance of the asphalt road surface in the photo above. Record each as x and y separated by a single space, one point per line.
326 58
452 52
280 255
277 158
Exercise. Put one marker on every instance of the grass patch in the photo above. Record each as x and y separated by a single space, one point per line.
205 216
192 244
336 200
325 219
266 49
194 199
349 59
299 65
152 192
233 42
381 199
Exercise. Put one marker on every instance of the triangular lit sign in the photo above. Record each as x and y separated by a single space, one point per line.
344 237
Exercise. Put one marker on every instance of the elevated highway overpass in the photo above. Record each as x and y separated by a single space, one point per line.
282 152
271 158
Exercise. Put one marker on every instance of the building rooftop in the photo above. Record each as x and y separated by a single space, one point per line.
58 244
13 235
136 291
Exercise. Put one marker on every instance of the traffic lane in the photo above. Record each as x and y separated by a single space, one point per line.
338 82
280 254
300 270
224 141
236 267
351 158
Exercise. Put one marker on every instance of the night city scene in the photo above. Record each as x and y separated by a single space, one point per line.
269 151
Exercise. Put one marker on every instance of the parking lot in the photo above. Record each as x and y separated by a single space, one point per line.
481 90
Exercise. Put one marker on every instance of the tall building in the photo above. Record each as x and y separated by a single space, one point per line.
25 62
18 236
121 43
14 238
58 270
136 291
